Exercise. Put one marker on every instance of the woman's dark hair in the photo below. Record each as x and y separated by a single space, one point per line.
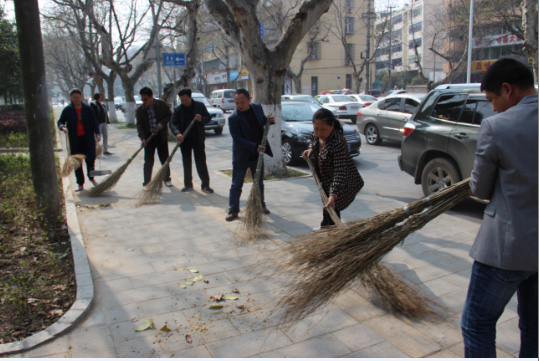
96 96
329 118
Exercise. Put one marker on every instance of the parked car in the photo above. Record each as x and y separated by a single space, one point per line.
297 127
223 99
346 107
392 92
385 118
118 103
138 101
439 141
308 98
218 119
364 99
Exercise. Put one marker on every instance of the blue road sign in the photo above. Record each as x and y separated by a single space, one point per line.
174 59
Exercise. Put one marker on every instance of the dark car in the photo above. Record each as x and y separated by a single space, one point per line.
439 141
297 127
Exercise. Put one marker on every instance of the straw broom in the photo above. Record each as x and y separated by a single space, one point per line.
111 180
252 227
328 261
392 290
152 193
72 162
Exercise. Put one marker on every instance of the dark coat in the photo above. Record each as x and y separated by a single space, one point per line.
101 112
163 116
68 118
178 124
337 170
241 134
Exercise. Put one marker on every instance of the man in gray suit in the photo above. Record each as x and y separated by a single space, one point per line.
505 250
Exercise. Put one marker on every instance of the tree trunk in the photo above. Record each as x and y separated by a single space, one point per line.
110 96
529 9
44 177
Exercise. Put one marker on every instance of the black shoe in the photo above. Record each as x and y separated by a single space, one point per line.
107 153
207 190
265 210
185 189
231 216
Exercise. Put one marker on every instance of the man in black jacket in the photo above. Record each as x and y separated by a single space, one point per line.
193 141
103 119
152 116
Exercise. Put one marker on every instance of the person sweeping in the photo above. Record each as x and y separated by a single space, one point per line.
339 176
246 125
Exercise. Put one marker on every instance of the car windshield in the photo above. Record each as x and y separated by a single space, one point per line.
368 98
202 99
297 112
343 98
305 97
228 94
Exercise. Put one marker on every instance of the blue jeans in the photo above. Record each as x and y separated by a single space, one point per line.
490 290
238 175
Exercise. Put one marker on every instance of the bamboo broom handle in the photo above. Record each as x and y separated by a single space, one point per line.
324 198
178 144
261 153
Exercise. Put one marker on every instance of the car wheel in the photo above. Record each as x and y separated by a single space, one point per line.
438 174
288 152
372 134
218 131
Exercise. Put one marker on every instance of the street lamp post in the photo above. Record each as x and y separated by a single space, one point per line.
390 53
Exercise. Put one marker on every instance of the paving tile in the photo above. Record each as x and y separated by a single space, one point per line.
143 346
409 340
323 346
320 324
92 342
358 337
381 350
249 344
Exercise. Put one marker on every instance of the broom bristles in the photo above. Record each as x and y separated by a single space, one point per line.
71 163
99 150
252 228
152 193
328 261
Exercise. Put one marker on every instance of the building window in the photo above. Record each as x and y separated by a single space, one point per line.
416 11
417 41
412 59
349 6
396 62
396 48
349 25
349 54
315 49
397 19
348 81
415 27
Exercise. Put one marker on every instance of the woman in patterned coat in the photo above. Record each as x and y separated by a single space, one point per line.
334 166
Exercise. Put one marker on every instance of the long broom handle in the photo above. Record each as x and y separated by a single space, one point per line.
178 144
324 198
261 153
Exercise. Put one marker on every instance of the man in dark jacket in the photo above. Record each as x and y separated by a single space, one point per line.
246 125
79 122
103 120
152 116
193 141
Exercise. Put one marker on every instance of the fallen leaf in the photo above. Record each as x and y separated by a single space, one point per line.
131 249
182 285
179 268
240 307
198 315
230 297
216 299
198 278
193 270
206 281
165 329
188 282
215 307
135 319
188 339
146 325
235 291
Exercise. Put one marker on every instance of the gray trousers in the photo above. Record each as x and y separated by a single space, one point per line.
104 135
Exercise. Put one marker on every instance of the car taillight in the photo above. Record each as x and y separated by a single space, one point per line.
222 101
358 114
343 107
367 104
408 129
